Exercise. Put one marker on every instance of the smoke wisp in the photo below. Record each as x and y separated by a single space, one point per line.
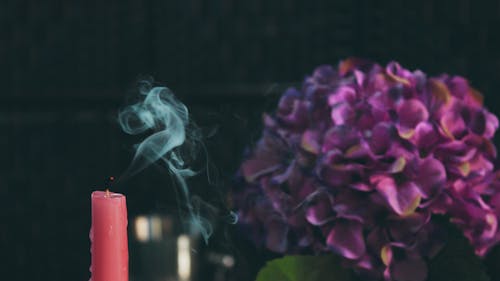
174 139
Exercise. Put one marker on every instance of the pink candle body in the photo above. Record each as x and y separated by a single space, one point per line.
108 236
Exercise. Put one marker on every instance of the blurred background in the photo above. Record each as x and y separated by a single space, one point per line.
67 67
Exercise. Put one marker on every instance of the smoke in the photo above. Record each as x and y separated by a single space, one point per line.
174 142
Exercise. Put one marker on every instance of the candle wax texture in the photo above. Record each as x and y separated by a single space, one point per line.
108 236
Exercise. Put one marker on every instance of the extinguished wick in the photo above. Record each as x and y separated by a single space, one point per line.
109 181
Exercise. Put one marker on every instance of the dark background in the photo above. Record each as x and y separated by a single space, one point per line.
66 68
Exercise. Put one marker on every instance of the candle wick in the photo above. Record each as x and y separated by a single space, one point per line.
108 184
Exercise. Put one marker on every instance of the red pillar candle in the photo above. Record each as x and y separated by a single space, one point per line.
108 236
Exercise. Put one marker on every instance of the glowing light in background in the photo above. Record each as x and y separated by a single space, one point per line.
141 229
148 228
183 257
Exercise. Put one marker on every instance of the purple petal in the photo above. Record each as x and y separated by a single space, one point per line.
276 238
282 177
367 119
397 166
346 237
285 105
343 113
319 211
366 263
403 199
452 125
323 74
495 203
254 168
269 121
353 205
360 77
380 101
474 98
397 73
343 94
302 189
410 270
332 172
431 176
440 94
280 200
480 165
455 151
349 64
398 150
362 186
340 137
459 87
357 151
477 122
311 141
377 239
404 229
266 158
425 135
334 177
292 109
411 112
491 125
381 138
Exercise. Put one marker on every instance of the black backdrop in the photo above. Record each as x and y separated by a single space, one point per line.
66 67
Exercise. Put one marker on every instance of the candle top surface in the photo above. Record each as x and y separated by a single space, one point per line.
106 194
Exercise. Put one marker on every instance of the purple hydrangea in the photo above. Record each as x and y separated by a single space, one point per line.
361 160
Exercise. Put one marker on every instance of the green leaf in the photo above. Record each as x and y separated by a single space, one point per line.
304 268
457 261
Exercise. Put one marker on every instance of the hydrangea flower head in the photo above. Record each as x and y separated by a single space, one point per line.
361 159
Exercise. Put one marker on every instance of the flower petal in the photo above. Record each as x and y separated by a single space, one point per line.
411 112
440 93
431 176
340 137
276 238
397 166
310 141
404 229
453 125
350 64
319 211
323 74
292 109
459 86
480 165
343 94
381 137
403 199
386 255
266 158
477 123
343 113
425 136
397 73
491 125
346 237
